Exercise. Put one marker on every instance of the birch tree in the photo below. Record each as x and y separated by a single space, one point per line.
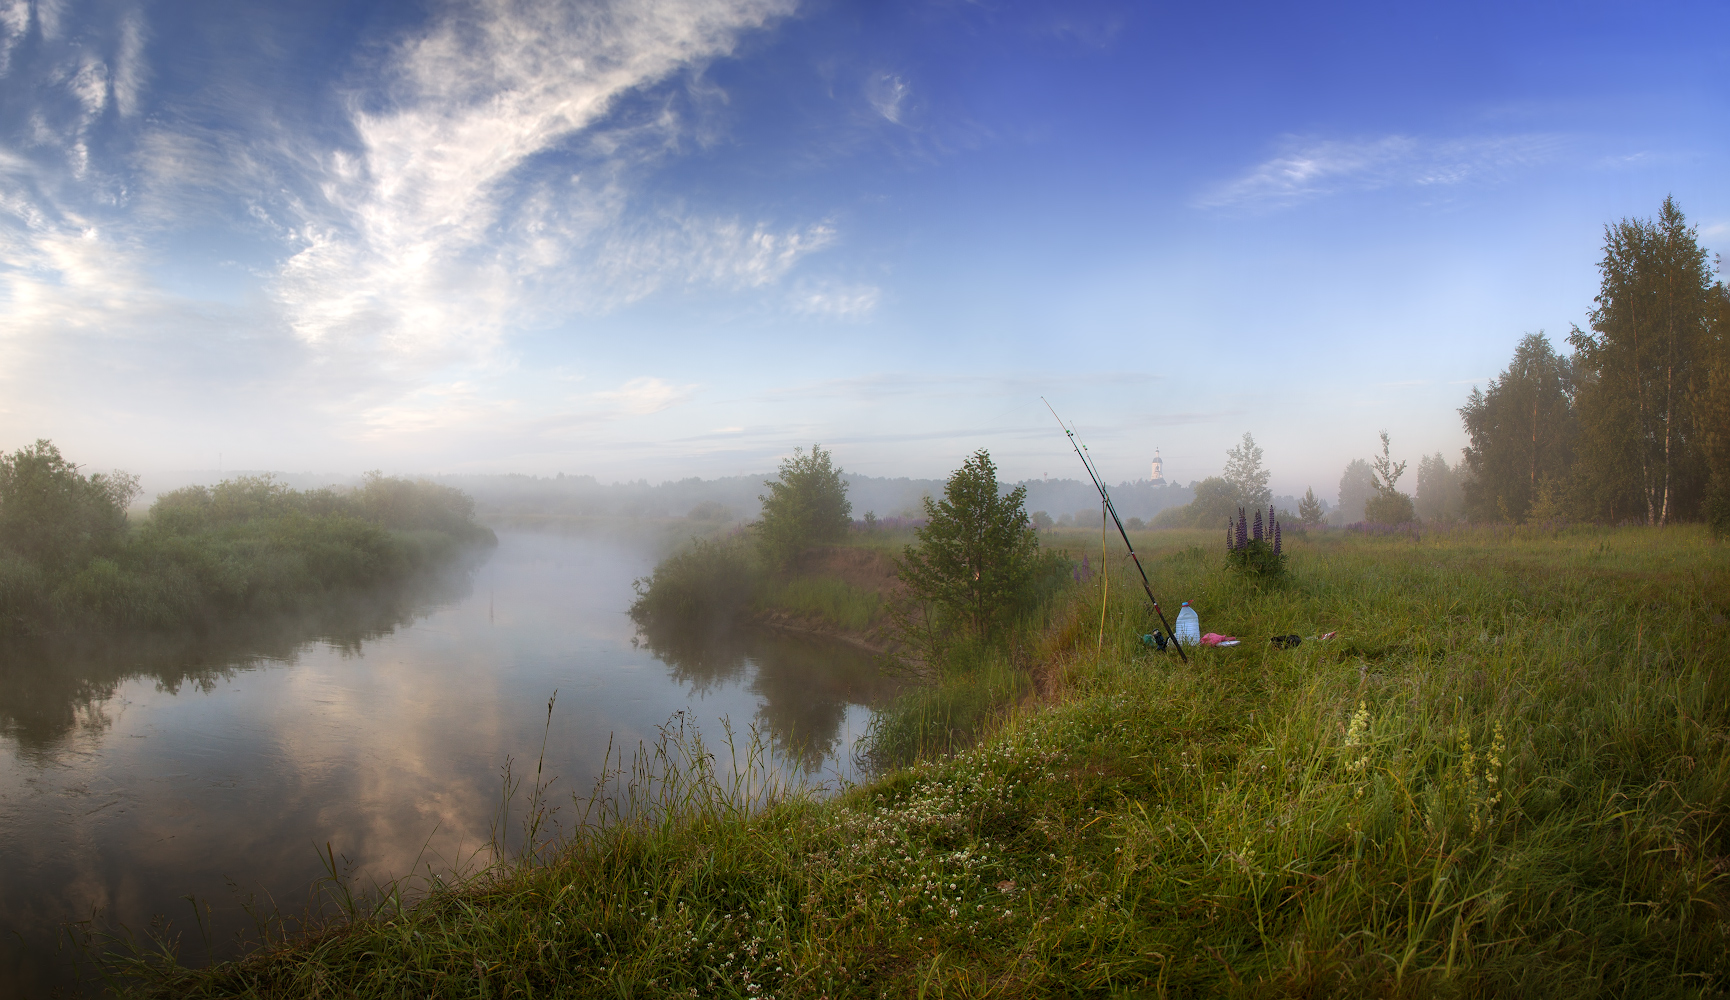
1640 365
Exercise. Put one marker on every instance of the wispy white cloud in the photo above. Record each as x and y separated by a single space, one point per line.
1308 168
850 302
14 22
436 234
888 94
129 68
644 395
491 184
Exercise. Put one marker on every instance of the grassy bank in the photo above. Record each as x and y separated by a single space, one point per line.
717 582
1507 774
246 547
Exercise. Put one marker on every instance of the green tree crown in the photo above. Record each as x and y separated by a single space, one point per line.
807 505
1522 430
1243 470
976 559
54 516
1643 367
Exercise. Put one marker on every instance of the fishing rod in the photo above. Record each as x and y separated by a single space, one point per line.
1099 484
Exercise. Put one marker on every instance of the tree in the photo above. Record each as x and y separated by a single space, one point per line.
1389 505
1640 368
1357 486
1439 495
1310 509
1247 478
977 555
1215 504
1712 414
55 517
806 506
1522 429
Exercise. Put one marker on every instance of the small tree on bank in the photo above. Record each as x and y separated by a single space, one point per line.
1310 508
806 506
1389 505
977 554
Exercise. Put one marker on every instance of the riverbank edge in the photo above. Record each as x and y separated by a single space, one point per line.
1141 771
815 626
863 567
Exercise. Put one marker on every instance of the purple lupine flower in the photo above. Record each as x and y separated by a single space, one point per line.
1276 538
1270 520
1242 529
1257 534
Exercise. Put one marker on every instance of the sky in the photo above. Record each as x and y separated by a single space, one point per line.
672 238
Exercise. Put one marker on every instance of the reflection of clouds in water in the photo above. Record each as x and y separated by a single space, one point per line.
133 778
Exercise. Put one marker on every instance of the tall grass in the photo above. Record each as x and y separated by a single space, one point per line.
832 600
1508 774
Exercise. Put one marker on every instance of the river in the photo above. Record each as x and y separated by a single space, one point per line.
136 775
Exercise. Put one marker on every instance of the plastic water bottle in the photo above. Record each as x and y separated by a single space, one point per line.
1188 627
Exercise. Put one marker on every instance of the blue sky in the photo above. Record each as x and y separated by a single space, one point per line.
678 238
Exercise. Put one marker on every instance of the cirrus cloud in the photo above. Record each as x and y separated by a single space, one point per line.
1307 168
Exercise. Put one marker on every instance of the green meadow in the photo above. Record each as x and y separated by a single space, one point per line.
1504 775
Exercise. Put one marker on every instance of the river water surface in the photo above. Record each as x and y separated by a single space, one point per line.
133 776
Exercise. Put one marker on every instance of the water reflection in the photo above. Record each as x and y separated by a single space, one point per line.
220 765
805 684
50 688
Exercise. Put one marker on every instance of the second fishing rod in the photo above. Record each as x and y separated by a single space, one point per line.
1105 496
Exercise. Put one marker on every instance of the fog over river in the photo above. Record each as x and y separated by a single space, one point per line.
135 774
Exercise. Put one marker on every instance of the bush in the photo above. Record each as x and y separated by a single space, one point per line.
706 586
54 517
1389 508
388 502
247 546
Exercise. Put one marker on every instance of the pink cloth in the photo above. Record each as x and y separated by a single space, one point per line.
1215 639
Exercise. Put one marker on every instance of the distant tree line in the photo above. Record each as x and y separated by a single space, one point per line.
71 561
1634 425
